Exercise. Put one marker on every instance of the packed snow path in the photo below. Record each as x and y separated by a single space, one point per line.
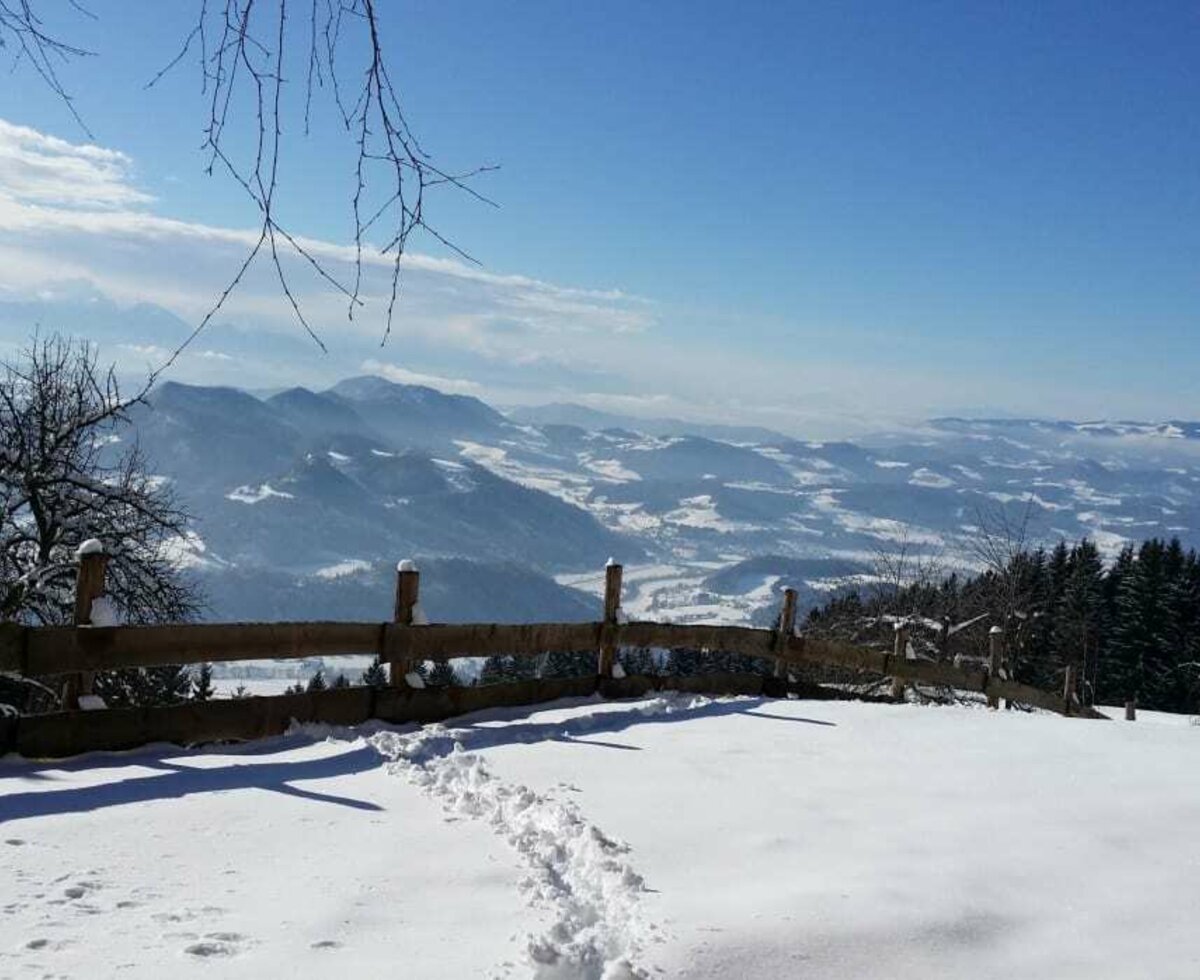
597 932
666 837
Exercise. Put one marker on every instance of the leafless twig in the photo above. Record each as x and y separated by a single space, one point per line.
24 31
241 47
244 50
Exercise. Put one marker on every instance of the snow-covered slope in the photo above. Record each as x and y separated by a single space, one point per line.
373 471
674 837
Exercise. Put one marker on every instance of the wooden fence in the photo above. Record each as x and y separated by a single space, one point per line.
76 652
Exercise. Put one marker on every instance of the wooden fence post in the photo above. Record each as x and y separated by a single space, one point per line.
787 625
89 586
408 587
995 656
612 604
1069 690
1131 710
899 652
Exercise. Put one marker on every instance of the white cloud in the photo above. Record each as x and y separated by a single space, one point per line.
394 372
152 351
40 169
72 212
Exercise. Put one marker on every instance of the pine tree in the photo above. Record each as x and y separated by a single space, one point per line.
202 689
504 669
570 663
495 670
317 682
714 662
1180 634
375 675
1133 667
151 686
682 663
639 660
1078 618
1048 643
442 674
339 682
523 668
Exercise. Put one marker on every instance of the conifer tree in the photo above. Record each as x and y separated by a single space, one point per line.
151 686
1134 667
375 675
522 668
638 660
317 682
442 674
202 689
681 663
560 663
495 670
1078 617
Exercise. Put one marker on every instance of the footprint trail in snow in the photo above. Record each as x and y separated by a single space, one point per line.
599 930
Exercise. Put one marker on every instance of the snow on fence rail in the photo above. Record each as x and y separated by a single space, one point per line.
76 652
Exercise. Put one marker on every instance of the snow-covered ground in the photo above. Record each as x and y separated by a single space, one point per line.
673 837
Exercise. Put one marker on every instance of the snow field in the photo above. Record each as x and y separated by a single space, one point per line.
286 858
839 840
671 836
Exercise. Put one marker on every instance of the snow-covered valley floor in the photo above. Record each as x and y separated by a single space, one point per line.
673 837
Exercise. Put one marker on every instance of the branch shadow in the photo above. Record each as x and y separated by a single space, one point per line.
176 781
482 734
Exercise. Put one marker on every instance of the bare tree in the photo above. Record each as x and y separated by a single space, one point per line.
66 476
901 564
246 52
1001 545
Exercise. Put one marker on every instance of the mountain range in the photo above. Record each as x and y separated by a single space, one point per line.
305 499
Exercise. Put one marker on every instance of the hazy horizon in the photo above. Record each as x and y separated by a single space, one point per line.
898 222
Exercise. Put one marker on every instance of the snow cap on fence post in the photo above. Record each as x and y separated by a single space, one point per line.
995 638
408 585
612 608
92 546
89 586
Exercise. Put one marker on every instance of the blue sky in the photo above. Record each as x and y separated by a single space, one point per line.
867 211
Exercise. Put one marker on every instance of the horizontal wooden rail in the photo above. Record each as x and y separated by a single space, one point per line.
64 733
61 650
42 651
75 652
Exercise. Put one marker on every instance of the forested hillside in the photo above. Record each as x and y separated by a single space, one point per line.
1131 628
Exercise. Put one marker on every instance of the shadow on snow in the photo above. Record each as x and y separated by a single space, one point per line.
481 730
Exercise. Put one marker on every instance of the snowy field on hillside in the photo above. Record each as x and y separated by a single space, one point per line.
665 837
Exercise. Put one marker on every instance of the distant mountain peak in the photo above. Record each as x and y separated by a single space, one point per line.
420 413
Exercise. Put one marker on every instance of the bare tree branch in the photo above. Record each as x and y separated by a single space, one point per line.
23 30
242 50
